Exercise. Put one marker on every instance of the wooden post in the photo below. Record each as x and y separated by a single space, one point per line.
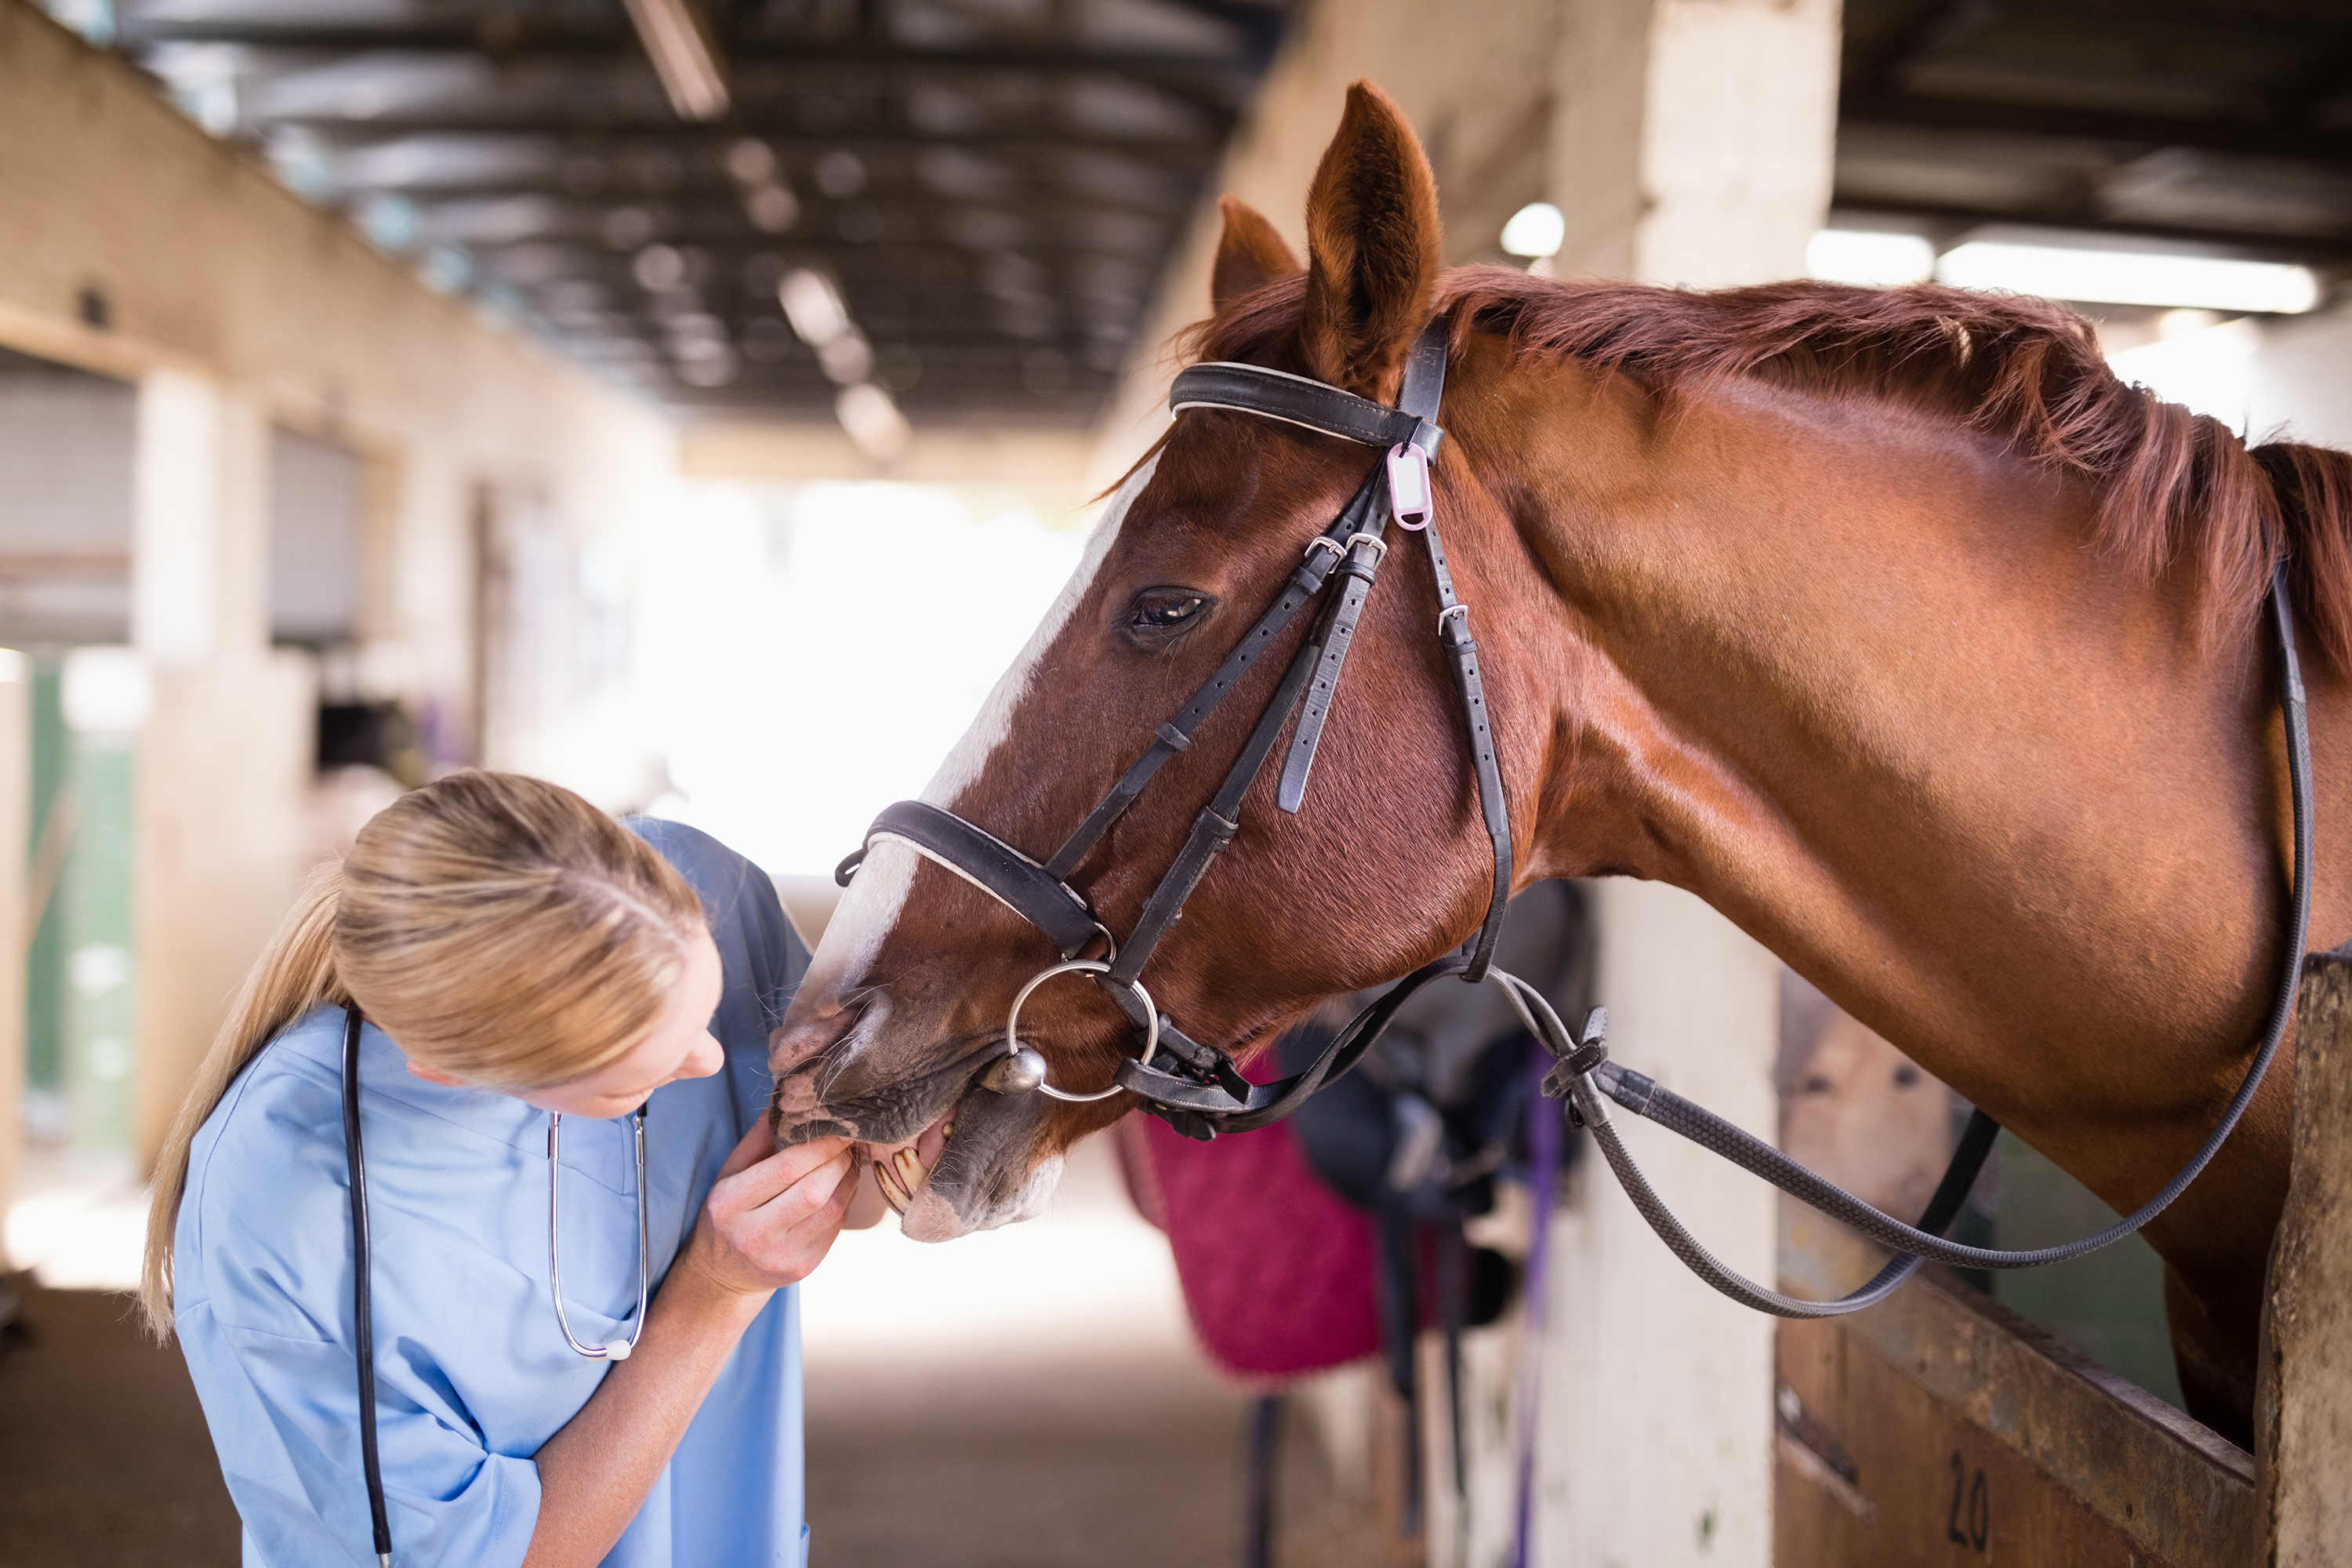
2304 1424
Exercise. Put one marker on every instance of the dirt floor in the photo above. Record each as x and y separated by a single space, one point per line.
1032 1397
104 1460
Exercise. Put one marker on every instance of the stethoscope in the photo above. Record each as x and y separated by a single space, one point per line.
363 1329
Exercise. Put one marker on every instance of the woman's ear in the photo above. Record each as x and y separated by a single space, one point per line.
1250 254
433 1075
1372 242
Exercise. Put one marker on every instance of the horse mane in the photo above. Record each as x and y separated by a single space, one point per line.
2021 370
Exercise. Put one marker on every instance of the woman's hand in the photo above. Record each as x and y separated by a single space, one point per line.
773 1214
768 1221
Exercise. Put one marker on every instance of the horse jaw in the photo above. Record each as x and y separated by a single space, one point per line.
984 1177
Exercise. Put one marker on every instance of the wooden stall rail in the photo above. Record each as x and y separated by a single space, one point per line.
1941 1428
2302 1421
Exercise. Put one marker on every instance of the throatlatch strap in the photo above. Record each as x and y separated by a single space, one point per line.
1462 653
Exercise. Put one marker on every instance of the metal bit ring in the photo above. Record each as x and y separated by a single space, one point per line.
1083 966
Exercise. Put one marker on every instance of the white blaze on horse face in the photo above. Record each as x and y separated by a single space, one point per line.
878 896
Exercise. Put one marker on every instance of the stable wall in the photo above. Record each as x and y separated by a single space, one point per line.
133 245
2302 380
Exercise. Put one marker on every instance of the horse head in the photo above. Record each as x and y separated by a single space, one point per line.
1385 865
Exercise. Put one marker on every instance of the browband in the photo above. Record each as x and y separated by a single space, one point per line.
1296 400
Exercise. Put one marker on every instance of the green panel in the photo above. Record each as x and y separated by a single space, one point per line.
2110 1305
101 987
45 960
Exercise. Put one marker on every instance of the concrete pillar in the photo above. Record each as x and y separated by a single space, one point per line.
200 523
1691 143
16 800
223 762
1693 139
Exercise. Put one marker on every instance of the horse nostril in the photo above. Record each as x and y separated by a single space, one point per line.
793 1046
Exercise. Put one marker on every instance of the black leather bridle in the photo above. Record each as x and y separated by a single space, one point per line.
1192 1086
1196 1088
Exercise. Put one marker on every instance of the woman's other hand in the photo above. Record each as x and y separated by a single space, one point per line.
768 1221
773 1214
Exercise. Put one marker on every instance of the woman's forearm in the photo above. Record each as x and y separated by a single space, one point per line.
769 1220
594 1473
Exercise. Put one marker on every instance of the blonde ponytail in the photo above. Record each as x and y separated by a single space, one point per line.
498 927
296 971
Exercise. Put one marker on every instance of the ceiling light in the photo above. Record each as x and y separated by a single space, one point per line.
751 161
658 267
1869 256
812 305
771 208
2131 276
873 421
677 37
845 359
1536 230
840 175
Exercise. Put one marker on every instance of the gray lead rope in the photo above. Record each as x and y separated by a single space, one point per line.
1585 1076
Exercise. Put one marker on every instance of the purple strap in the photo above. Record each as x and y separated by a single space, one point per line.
1544 1147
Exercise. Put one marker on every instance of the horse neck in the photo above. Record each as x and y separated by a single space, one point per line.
1853 676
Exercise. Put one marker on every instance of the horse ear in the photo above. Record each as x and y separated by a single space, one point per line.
1371 248
1250 255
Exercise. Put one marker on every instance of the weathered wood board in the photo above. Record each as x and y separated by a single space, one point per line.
1941 1428
2303 1416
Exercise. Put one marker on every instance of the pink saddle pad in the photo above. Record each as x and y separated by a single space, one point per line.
1278 1273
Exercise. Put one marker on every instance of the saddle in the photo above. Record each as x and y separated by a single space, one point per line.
1341 1234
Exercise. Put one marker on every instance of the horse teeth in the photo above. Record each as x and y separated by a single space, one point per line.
886 1181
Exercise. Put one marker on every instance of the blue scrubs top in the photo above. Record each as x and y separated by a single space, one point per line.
472 1373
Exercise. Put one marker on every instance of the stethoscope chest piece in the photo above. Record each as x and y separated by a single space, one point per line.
619 1350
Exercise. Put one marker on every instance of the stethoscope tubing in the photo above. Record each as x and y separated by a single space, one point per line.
363 1322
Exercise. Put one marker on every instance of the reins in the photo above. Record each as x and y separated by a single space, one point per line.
1585 1076
1197 1089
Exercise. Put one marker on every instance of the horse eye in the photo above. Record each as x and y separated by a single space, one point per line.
1160 611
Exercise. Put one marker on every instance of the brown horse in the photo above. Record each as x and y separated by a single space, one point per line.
1889 623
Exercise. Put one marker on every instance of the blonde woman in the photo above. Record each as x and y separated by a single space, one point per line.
524 965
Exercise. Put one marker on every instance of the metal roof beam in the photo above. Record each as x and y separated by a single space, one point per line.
2317 250
827 55
590 136
2240 137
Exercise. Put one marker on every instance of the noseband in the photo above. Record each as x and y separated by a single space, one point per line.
1196 1088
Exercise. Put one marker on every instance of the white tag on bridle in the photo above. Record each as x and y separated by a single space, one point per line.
1409 501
